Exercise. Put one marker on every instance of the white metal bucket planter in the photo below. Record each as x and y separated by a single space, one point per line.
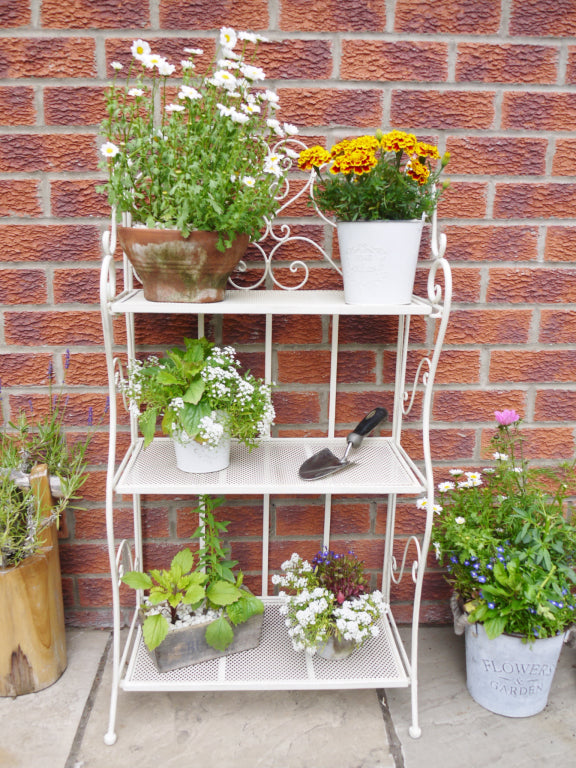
507 676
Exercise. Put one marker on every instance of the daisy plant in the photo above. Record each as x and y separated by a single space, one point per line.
390 176
201 395
327 598
195 152
506 543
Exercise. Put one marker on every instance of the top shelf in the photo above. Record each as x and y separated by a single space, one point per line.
279 302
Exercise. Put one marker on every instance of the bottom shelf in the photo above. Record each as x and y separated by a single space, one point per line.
274 665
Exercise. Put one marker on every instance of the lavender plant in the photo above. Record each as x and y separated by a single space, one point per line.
506 543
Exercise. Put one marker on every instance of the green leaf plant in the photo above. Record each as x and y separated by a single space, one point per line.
203 581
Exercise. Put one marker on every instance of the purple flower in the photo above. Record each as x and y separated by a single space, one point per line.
506 417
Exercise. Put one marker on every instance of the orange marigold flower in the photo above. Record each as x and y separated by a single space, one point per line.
358 161
417 171
340 148
395 141
427 150
365 142
313 158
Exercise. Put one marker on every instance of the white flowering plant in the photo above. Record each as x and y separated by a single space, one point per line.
201 394
507 545
327 598
205 159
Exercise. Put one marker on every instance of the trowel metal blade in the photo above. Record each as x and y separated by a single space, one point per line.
322 464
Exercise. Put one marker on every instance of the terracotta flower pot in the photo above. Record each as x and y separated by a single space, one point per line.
173 268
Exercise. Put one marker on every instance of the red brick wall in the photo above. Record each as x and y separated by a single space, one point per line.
492 81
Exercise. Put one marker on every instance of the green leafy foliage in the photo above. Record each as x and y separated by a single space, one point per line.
202 581
200 393
507 545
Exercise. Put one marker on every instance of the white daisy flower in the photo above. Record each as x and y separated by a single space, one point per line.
140 49
252 73
249 181
500 456
228 38
185 64
194 51
174 108
166 69
151 60
222 77
135 92
109 149
460 520
116 65
290 130
187 92
456 472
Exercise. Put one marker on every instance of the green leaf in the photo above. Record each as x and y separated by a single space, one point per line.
192 414
195 391
223 593
495 627
154 629
165 377
195 594
246 607
219 634
137 580
147 421
183 560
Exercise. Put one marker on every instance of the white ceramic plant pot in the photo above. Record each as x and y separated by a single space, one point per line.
379 260
507 676
202 457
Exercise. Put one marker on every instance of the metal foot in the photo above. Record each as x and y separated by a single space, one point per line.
415 731
110 739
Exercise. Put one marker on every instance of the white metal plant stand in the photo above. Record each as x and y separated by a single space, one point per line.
385 470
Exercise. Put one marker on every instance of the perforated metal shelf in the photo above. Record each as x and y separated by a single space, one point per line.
274 665
269 302
380 467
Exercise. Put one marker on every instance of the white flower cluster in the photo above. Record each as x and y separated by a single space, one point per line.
212 429
313 614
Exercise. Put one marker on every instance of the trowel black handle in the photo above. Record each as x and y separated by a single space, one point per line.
368 423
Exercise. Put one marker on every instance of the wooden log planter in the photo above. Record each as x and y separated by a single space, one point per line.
32 635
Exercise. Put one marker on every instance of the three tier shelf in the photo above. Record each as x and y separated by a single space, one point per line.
385 470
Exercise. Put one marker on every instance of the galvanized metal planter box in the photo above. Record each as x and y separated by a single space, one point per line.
187 645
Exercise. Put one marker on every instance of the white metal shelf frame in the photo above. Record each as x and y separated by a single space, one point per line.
383 468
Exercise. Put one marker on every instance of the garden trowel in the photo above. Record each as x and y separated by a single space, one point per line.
325 463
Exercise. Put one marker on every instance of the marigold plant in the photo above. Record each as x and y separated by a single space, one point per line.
381 177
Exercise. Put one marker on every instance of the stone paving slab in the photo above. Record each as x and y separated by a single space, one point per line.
38 730
458 733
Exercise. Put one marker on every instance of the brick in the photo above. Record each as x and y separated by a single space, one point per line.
297 329
454 16
296 407
53 57
466 284
15 14
22 286
76 408
454 367
400 60
332 16
556 18
17 105
24 368
84 14
490 63
90 524
496 326
525 366
84 558
560 243
536 286
544 111
542 443
442 109
76 286
557 326
497 155
54 328
90 618
489 243
296 59
68 105
70 198
161 330
308 519
330 106
97 593
523 201
85 369
555 405
53 243
313 367
474 405
199 14
20 197
463 200
563 162
445 444
353 406
570 77
48 152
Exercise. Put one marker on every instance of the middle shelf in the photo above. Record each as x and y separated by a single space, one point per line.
380 466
